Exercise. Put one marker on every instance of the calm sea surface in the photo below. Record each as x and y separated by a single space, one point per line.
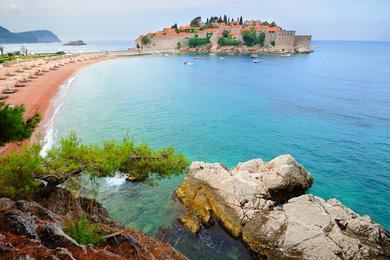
329 109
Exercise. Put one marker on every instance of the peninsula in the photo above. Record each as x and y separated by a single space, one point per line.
39 36
224 34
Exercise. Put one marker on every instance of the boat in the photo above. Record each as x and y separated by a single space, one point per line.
286 55
254 56
187 63
212 54
256 61
198 57
222 58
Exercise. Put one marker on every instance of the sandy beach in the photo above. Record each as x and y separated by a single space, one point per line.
36 82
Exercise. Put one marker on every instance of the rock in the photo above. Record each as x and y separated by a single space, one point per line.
131 178
52 236
34 229
21 223
245 198
190 222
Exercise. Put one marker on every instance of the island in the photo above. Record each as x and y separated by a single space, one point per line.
75 43
225 35
39 36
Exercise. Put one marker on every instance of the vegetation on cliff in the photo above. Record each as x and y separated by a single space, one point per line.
196 41
228 40
12 125
22 172
250 38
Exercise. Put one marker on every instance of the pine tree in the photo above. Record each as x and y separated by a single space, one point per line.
225 19
241 20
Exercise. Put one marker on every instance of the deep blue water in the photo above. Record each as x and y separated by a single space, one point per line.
329 109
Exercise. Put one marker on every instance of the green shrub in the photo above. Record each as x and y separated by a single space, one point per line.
230 41
273 43
178 45
12 125
18 171
83 232
249 37
145 40
196 41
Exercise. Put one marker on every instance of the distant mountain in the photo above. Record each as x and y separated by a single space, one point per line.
40 36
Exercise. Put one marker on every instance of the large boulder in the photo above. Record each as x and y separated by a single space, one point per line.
263 203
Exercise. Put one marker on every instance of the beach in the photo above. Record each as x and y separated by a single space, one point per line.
38 81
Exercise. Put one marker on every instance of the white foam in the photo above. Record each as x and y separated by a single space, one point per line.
117 180
55 106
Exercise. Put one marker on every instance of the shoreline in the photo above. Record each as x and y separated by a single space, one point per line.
37 96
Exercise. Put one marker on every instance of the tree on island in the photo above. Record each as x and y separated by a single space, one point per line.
240 22
196 21
2 51
145 40
12 125
261 39
174 26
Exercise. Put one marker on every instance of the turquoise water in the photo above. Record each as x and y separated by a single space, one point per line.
329 109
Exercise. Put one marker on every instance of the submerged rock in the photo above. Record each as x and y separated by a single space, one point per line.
245 200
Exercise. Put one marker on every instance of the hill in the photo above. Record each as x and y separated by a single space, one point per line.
39 36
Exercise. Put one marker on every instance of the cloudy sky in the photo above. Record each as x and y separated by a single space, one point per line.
125 19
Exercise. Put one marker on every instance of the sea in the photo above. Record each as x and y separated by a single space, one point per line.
329 109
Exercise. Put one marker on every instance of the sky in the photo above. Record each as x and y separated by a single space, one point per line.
125 19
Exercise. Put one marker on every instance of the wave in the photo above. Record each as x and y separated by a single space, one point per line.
55 105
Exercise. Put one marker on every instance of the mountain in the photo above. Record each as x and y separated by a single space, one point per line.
40 36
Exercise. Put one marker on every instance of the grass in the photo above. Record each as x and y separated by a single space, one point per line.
22 57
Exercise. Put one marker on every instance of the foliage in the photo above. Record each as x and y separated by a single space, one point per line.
174 26
272 24
196 21
21 170
83 232
17 55
145 40
196 41
228 40
240 21
261 39
178 45
18 171
2 50
273 43
249 37
138 46
12 125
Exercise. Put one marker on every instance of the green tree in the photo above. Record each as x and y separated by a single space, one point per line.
12 125
249 37
273 24
225 33
240 22
261 39
174 26
21 171
145 40
178 45
2 51
273 43
196 41
225 20
196 21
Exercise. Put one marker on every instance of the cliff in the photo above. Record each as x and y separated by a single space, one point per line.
34 230
40 36
264 205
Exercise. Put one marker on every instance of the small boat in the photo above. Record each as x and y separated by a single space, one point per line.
212 54
198 58
187 63
256 61
254 56
286 55
222 58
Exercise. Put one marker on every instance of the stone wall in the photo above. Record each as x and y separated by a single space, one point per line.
302 43
284 40
164 43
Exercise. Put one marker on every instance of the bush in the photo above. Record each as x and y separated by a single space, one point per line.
145 40
196 41
12 125
83 232
18 171
178 45
249 37
273 43
230 41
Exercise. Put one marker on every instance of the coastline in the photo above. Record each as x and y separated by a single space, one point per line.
38 95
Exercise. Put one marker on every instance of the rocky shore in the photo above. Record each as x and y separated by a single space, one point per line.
34 230
264 205
236 50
